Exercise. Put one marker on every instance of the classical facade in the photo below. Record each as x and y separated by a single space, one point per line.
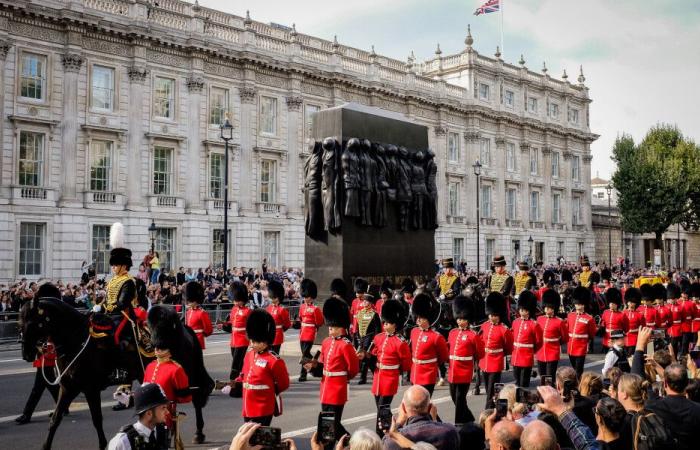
111 111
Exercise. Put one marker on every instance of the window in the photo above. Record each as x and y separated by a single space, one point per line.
580 248
573 116
162 170
509 99
485 152
102 88
271 248
553 110
601 194
31 248
268 115
511 161
101 166
555 165
164 98
268 178
453 198
560 249
534 161
218 105
532 105
484 91
31 158
490 249
457 249
33 76
535 206
453 147
486 201
165 247
309 111
216 175
576 211
100 248
511 203
217 247
556 208
575 167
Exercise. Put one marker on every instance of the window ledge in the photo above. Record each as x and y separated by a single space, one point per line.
271 209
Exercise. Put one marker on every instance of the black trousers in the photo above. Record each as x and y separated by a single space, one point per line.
686 340
577 363
547 368
339 428
443 370
522 376
305 353
458 393
276 348
38 390
237 355
429 387
676 344
264 420
491 378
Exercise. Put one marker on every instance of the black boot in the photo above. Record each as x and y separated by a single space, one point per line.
23 419
302 377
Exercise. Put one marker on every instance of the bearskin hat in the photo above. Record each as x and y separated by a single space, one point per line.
548 277
373 290
595 278
659 291
393 311
425 306
685 286
472 280
613 295
496 305
551 298
462 308
193 292
673 291
633 295
275 289
606 274
694 290
360 285
239 292
48 290
527 300
566 275
407 286
336 313
119 255
339 288
308 288
581 296
386 286
647 292
260 326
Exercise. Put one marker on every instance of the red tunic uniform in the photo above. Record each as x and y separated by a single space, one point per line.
340 365
688 316
649 315
171 377
696 318
582 328
675 322
465 348
264 376
311 318
498 342
635 319
428 350
663 316
527 340
47 356
239 317
393 359
554 333
198 319
613 320
282 322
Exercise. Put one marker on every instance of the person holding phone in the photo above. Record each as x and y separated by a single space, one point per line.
310 320
527 338
498 343
554 334
428 347
278 312
582 329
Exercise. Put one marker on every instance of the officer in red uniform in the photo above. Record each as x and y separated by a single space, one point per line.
527 338
428 347
339 289
554 333
650 318
663 313
695 296
498 343
613 318
337 363
171 377
676 316
635 319
688 316
310 320
466 349
278 312
264 376
582 329
236 325
361 287
195 317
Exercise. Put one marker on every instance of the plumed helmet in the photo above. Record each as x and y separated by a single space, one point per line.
360 285
193 292
339 288
581 296
613 295
336 313
308 288
119 255
528 301
425 306
394 311
260 326
462 308
239 292
407 286
496 305
633 295
275 289
551 298
673 291
659 291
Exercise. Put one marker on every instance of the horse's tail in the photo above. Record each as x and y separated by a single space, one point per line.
199 376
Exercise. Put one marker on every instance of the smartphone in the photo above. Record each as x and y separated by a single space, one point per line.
650 348
497 389
694 354
569 390
606 383
527 397
501 408
658 334
267 437
384 416
547 381
326 427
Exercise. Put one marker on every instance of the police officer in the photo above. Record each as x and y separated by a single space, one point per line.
616 356
498 343
310 320
152 408
428 347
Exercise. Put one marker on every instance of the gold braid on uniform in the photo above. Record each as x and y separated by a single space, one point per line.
584 278
497 281
446 282
364 318
520 281
113 288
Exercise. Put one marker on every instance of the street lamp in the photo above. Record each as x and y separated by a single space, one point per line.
226 134
609 188
477 172
152 234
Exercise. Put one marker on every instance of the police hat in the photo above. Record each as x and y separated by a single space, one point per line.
617 334
633 295
581 296
528 301
613 295
193 292
394 312
260 326
275 289
551 298
336 313
148 396
425 306
308 288
239 292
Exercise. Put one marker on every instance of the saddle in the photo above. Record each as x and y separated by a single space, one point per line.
120 328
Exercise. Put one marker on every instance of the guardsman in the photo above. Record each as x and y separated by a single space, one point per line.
554 333
695 295
278 312
584 278
663 313
502 282
310 320
647 310
521 278
613 318
339 289
448 283
264 376
688 316
527 338
361 285
582 329
196 317
676 316
236 325
337 363
428 347
498 343
466 349
368 325
635 319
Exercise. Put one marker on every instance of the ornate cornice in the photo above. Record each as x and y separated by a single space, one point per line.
525 146
567 154
247 94
587 158
294 103
472 136
195 84
440 131
546 150
72 62
500 141
137 74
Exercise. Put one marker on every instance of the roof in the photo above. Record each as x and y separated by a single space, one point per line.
598 180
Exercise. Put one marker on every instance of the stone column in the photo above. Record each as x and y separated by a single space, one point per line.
499 164
134 174
586 181
566 200
547 192
472 139
248 99
441 179
5 45
195 84
294 107
72 63
525 185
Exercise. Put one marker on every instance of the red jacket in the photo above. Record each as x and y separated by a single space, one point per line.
554 333
649 313
311 318
498 342
696 318
582 328
239 317
663 316
527 340
613 320
340 365
675 322
635 319
689 316
48 355
393 359
198 319
466 349
264 376
354 310
428 350
282 322
171 377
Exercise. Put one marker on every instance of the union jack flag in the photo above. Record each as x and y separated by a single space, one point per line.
488 7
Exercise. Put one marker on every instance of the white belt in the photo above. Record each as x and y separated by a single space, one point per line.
633 331
461 358
326 373
255 387
385 367
518 344
198 331
676 321
308 324
238 329
424 361
551 339
578 336
278 326
493 350
697 318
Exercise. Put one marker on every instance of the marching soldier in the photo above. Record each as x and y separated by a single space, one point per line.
339 289
310 320
502 282
554 333
613 318
407 289
635 319
368 326
448 282
521 278
663 313
360 286
688 306
498 343
278 312
527 338
584 278
647 310
264 376
676 316
695 296
466 349
428 347
236 326
195 317
582 329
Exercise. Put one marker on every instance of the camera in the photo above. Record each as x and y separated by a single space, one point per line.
547 381
527 397
325 433
268 438
384 417
501 408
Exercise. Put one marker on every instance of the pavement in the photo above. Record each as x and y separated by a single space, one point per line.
222 415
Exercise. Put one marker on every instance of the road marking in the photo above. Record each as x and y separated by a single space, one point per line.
74 407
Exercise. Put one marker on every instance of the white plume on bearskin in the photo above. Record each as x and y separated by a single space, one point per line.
116 235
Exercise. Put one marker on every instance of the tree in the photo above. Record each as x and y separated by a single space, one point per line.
655 181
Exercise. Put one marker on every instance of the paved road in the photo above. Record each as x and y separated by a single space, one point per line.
222 414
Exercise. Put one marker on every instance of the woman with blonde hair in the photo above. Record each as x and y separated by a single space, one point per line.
591 385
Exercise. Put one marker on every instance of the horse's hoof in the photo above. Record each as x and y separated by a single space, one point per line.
23 419
198 438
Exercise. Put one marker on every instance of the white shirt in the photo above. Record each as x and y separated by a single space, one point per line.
610 360
121 441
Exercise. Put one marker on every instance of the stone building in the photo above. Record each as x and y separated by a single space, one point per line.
111 111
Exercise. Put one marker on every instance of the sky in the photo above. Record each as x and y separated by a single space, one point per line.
641 58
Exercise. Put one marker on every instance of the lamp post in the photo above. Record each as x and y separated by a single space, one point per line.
226 133
477 172
530 241
609 188
152 234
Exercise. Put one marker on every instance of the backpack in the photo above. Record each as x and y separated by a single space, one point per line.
649 432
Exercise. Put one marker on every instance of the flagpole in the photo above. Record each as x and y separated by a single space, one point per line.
503 50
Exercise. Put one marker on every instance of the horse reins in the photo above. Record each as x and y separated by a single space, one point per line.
58 370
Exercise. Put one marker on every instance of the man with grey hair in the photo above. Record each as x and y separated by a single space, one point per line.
365 439
537 435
